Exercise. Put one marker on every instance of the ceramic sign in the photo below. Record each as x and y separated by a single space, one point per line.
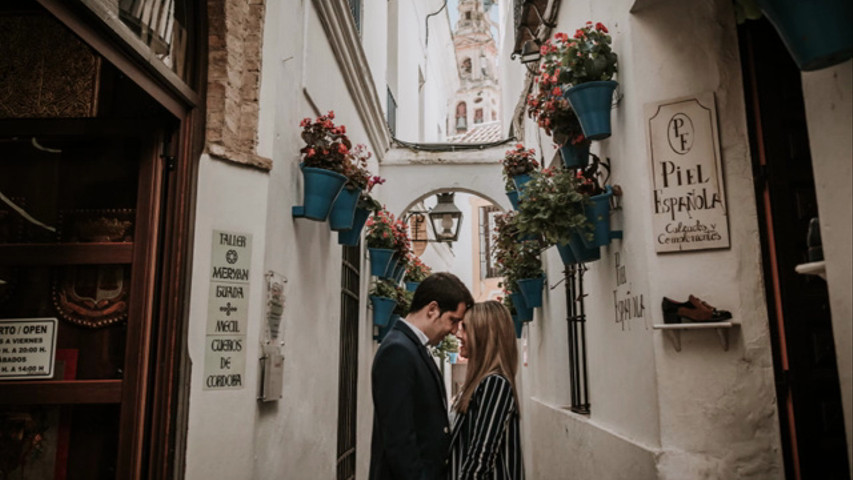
688 196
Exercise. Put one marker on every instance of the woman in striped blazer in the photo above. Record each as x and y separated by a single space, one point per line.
486 441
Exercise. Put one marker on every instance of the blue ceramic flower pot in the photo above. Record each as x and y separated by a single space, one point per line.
452 356
531 288
382 331
399 272
520 181
566 254
513 199
581 252
379 260
575 156
524 313
342 216
518 324
818 33
598 213
382 309
353 235
412 286
320 188
391 269
591 102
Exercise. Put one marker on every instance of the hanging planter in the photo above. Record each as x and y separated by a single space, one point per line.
520 181
399 271
321 187
524 313
598 214
591 102
342 216
383 331
531 288
391 267
581 252
818 33
353 235
513 198
566 254
575 156
379 260
382 309
518 324
412 286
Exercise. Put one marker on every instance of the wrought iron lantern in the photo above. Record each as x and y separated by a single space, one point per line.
445 218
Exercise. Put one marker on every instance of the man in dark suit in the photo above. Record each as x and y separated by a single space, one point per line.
411 433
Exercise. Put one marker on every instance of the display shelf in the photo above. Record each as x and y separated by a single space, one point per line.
36 254
812 268
673 331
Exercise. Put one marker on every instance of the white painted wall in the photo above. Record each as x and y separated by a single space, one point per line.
829 111
703 412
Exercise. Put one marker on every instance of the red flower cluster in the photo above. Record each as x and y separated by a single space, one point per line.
385 231
519 161
326 145
417 270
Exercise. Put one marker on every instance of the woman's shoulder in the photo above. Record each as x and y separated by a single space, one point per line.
494 382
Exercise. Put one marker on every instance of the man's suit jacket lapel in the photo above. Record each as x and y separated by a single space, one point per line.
426 357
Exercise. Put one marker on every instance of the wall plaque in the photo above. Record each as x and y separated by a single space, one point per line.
227 311
27 347
688 196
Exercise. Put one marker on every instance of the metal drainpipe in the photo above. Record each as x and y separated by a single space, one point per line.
426 22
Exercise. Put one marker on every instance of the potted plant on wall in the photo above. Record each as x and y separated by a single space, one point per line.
553 113
519 164
381 242
416 273
402 248
324 162
383 297
342 215
586 64
365 205
507 302
519 263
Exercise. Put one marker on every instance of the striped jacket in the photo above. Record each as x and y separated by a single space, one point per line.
486 442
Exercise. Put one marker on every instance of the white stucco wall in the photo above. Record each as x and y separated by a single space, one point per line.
702 412
829 111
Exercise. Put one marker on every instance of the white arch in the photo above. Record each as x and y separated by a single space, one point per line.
415 175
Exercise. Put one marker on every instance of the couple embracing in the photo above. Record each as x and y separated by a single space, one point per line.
412 434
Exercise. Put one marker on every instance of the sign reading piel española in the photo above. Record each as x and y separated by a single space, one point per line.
227 311
688 196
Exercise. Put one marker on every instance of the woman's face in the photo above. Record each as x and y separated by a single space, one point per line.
463 339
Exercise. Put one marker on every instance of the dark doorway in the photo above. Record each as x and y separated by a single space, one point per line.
807 385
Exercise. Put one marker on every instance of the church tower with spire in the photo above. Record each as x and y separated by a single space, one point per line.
476 105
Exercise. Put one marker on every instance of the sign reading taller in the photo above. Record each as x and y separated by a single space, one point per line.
227 311
688 196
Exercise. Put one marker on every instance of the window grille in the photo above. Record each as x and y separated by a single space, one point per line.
348 367
392 113
488 267
576 318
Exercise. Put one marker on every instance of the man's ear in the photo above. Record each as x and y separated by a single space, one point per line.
433 310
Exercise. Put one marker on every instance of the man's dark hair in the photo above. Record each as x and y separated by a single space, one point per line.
445 289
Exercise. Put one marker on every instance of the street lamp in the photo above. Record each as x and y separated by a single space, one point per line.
445 218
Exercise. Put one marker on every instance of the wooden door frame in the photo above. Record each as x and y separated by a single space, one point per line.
153 438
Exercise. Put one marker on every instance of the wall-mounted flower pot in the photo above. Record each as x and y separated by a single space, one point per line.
598 213
591 103
513 199
353 235
518 324
524 313
575 156
391 268
382 331
531 288
399 272
382 309
818 33
379 260
320 188
342 216
453 357
566 254
412 286
520 181
581 252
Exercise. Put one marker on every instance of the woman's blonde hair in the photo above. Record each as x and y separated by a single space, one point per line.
490 342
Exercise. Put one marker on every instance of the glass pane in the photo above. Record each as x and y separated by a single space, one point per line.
59 442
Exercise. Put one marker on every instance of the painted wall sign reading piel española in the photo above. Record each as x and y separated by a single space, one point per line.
227 311
688 196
